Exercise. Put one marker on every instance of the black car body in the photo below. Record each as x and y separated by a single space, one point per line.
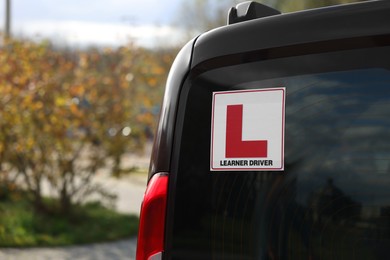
325 193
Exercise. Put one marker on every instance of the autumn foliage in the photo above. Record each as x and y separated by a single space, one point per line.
66 114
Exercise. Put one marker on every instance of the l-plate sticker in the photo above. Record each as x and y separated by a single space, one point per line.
247 130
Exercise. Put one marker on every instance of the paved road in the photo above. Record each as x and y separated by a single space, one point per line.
111 251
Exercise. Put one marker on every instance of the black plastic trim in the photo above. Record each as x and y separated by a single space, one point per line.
248 11
290 51
162 147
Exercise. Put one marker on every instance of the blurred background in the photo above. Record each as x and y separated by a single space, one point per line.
81 84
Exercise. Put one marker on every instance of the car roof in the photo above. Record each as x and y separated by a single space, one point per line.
315 25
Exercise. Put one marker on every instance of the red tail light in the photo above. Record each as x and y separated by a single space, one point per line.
150 243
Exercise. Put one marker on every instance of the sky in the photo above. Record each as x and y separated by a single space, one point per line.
81 23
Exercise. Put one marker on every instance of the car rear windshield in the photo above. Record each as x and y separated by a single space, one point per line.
331 201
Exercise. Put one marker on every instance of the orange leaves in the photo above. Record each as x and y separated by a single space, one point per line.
158 70
152 81
77 90
75 110
146 118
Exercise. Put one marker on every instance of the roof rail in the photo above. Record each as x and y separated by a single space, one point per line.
248 11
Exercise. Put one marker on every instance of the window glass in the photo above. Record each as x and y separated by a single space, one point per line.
332 201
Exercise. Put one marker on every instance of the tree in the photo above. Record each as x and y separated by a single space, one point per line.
289 6
198 16
65 115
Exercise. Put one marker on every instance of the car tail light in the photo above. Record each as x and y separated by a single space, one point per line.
150 243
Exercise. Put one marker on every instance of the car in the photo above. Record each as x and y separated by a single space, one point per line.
274 140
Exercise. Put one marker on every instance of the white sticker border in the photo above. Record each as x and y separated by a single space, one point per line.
283 89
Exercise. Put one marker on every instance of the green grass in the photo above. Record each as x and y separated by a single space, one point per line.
20 226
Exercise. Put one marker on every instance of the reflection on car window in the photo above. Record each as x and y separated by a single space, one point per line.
332 201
